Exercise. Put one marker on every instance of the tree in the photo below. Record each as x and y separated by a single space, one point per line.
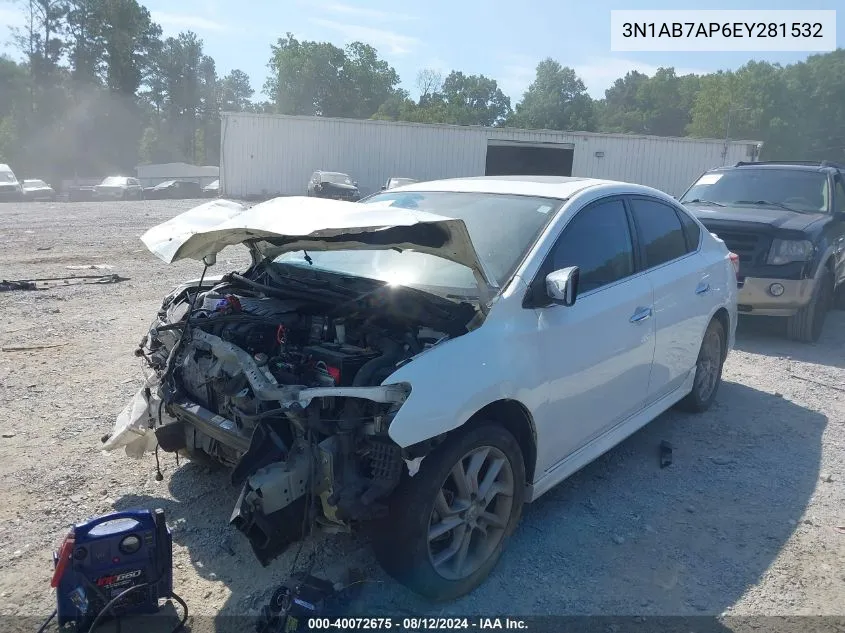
368 81
318 78
236 92
658 105
752 102
474 100
429 82
557 100
40 38
304 77
207 151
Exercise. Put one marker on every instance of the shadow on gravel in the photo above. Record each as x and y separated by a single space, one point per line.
766 335
623 537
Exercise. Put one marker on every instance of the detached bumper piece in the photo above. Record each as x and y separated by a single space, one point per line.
271 509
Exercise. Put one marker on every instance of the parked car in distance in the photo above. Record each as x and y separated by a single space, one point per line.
80 193
440 354
119 188
397 182
38 190
10 188
173 190
212 189
786 221
332 184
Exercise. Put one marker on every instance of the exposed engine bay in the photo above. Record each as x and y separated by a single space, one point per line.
284 379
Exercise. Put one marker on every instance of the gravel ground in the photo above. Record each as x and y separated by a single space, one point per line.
744 522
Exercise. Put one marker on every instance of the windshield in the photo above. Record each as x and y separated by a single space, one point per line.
341 179
798 189
165 184
32 184
7 176
398 182
114 181
213 185
502 229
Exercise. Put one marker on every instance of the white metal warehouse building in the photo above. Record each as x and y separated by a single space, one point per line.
269 155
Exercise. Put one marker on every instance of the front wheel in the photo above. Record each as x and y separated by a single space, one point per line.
708 370
448 524
806 326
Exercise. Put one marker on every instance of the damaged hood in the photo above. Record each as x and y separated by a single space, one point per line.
298 223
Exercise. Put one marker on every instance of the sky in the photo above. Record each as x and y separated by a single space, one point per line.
502 40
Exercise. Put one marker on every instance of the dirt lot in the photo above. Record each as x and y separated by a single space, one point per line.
743 522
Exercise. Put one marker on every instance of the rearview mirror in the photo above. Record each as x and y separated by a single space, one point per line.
562 285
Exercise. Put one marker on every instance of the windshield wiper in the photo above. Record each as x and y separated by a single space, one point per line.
700 201
768 203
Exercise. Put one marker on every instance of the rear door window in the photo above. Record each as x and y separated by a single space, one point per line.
662 236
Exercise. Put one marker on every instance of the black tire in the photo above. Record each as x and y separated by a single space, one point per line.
839 298
402 545
807 324
708 370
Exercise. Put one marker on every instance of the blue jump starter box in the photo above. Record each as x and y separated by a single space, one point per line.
129 553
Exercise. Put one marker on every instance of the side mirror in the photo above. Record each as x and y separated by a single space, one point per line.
562 285
354 183
383 187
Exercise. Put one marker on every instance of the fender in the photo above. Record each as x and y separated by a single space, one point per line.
454 380
838 267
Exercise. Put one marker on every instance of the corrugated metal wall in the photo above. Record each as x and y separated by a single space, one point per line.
275 155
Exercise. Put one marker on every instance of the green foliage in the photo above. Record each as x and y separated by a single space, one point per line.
318 78
99 90
556 100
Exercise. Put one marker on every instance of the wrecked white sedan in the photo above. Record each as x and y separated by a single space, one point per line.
427 361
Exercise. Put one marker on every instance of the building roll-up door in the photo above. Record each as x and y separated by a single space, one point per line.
517 158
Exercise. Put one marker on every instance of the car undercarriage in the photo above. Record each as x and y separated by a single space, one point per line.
278 377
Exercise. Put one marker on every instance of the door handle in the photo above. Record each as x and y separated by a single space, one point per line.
702 288
640 315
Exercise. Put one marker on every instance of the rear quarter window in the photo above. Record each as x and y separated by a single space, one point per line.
692 231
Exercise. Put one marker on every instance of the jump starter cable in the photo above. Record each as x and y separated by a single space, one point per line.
114 600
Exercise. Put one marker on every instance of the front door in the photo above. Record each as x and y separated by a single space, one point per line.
597 353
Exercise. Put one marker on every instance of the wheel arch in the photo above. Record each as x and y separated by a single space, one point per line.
514 417
724 318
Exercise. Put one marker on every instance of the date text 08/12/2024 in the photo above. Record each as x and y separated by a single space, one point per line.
416 624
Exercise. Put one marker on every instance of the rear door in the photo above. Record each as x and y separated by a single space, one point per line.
669 251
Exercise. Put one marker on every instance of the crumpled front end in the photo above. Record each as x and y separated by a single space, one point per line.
290 393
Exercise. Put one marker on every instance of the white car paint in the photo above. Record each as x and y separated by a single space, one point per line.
588 375
209 228
584 373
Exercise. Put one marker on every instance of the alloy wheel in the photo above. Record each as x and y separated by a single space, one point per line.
471 512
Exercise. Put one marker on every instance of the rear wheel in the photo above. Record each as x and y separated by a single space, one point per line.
839 297
807 324
708 370
448 524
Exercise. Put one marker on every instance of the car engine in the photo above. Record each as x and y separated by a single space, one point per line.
285 389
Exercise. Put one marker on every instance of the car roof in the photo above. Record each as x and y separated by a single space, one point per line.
561 187
778 165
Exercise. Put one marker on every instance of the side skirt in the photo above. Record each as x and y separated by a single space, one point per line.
588 453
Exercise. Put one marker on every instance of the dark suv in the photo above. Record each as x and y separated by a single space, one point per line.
786 221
